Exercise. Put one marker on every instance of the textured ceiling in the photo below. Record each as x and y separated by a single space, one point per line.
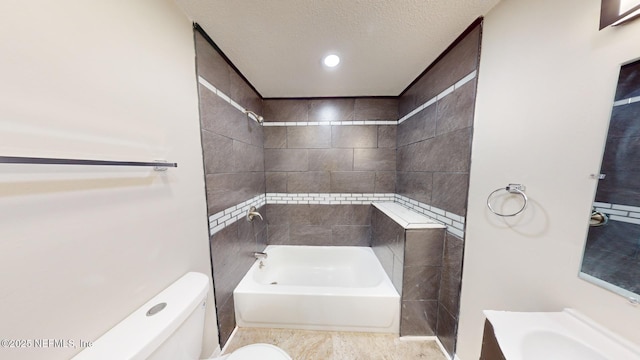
278 45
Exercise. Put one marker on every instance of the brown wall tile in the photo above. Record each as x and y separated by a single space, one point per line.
351 235
387 136
354 136
330 215
246 157
419 318
308 182
226 190
455 111
276 182
330 159
308 137
223 148
458 63
275 137
421 282
285 110
286 160
211 66
450 192
449 296
385 182
424 247
446 330
309 235
415 185
419 127
376 109
331 109
353 181
374 159
278 235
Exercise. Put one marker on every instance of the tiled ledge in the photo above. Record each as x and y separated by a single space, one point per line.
407 218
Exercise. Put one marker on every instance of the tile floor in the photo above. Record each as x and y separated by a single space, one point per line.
331 345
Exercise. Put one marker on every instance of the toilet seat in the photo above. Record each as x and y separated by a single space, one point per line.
259 352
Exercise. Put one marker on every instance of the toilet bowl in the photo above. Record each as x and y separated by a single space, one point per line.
257 351
169 326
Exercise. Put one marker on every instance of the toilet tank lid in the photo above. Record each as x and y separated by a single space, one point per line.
139 335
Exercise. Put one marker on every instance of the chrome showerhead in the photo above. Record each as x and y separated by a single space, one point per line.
250 114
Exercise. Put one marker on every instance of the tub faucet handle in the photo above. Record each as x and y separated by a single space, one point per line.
253 213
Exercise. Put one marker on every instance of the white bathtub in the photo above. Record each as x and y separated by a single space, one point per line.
338 288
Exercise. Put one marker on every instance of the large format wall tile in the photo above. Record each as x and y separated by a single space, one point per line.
308 182
432 162
211 65
449 296
363 136
331 109
331 159
286 160
319 225
308 137
286 110
233 155
376 109
353 181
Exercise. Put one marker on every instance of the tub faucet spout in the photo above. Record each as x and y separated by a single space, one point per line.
260 255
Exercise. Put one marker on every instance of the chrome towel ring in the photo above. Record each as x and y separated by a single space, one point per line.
512 189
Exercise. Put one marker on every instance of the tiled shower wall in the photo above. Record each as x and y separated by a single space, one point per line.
320 146
352 148
234 168
434 154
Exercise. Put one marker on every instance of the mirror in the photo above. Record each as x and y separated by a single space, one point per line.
612 250
617 12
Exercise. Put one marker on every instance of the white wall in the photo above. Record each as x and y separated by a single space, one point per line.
546 85
81 248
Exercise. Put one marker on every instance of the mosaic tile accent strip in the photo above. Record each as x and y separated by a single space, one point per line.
454 223
320 123
630 100
617 212
327 198
446 92
222 219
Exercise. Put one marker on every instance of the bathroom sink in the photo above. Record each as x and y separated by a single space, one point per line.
551 345
564 335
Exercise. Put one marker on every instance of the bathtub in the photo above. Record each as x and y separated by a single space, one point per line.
336 288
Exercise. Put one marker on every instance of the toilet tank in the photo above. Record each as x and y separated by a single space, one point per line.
158 332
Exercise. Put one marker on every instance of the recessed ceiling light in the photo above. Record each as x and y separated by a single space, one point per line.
332 60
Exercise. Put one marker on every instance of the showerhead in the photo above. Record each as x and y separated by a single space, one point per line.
250 114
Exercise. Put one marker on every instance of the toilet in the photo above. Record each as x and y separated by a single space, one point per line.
170 327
